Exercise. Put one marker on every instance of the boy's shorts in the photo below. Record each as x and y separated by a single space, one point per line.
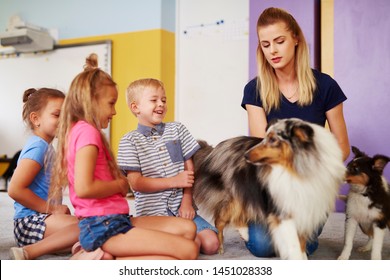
30 229
96 230
202 224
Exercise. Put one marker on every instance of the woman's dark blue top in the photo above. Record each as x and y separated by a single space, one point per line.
327 96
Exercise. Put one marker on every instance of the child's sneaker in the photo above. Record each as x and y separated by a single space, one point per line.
17 253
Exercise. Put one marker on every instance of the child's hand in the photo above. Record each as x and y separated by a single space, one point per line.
124 186
59 209
187 212
185 179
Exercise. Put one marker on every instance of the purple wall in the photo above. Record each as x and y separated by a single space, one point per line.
307 15
362 69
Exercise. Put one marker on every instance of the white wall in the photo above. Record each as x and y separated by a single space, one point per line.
55 69
212 67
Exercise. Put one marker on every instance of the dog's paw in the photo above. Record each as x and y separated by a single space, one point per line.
221 250
243 231
377 256
365 248
343 257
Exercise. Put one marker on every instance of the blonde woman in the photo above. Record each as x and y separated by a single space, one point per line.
287 87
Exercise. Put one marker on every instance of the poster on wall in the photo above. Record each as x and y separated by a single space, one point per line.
212 68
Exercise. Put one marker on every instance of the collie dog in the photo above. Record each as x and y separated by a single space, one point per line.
289 180
368 203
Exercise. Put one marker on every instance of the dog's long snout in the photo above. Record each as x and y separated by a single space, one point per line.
347 178
246 155
255 155
250 155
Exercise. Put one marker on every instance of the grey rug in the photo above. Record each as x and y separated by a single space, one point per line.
331 240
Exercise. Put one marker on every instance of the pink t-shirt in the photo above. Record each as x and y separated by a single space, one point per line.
83 134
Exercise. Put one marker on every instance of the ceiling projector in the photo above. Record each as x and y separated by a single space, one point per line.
26 38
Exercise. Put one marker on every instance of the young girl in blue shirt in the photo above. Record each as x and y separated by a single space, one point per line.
39 228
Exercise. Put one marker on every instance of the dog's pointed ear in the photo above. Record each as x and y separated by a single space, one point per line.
357 152
303 133
380 162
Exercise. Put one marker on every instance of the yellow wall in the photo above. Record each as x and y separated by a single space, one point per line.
3 167
327 36
168 53
137 55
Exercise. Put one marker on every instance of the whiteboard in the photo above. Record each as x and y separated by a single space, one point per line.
212 67
53 69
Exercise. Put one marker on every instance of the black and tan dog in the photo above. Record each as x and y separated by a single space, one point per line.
288 181
368 203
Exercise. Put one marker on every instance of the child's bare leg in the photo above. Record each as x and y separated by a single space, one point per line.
108 256
208 241
143 243
174 225
61 233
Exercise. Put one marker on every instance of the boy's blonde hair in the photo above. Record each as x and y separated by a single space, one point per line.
136 88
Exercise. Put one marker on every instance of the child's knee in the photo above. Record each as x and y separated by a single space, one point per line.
209 243
189 229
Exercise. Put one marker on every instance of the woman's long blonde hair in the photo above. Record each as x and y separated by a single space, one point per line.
267 85
80 104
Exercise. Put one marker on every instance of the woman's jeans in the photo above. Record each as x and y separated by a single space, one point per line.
260 244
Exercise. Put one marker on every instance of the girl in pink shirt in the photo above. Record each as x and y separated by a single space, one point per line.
97 188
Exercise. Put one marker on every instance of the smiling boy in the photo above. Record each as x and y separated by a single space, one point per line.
157 159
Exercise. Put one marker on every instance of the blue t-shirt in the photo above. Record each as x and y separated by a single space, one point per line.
35 149
327 96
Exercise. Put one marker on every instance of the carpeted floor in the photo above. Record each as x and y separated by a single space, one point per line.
331 240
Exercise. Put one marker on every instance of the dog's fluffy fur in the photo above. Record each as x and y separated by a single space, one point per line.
368 203
288 181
